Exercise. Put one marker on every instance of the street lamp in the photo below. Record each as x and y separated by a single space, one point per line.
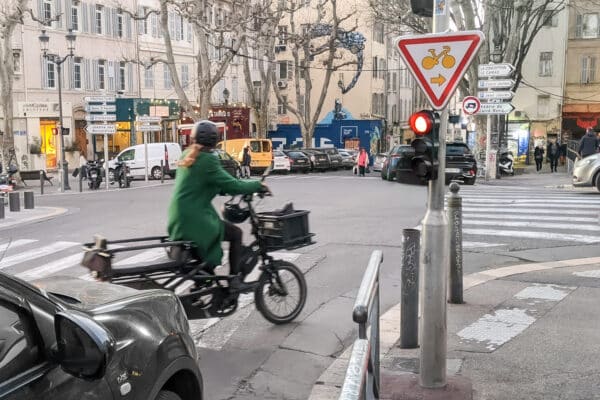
58 61
226 98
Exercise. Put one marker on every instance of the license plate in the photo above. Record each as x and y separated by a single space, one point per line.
452 170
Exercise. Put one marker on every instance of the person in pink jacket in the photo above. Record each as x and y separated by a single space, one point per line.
362 161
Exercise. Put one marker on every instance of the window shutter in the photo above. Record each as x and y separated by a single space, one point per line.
592 69
171 24
154 25
40 4
68 14
93 25
88 74
109 22
290 70
140 22
84 17
95 72
110 70
130 77
71 73
578 25
128 26
57 12
583 69
44 68
190 32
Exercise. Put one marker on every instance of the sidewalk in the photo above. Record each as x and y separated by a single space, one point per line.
12 219
526 331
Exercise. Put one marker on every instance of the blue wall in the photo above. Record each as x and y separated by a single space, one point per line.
331 135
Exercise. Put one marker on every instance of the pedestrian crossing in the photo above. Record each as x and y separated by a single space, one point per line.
513 216
33 259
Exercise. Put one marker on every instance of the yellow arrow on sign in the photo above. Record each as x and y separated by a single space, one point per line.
438 79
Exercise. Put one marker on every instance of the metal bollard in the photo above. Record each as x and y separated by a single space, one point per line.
1 206
455 279
41 182
162 172
409 304
14 201
81 180
28 200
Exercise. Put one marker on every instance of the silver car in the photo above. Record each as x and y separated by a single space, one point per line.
587 172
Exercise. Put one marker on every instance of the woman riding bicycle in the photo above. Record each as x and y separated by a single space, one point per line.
200 177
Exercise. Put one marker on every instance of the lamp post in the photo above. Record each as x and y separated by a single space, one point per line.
58 61
226 98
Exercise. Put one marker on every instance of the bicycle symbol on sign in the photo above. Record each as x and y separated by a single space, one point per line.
448 61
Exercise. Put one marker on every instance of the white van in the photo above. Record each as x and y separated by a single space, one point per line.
134 157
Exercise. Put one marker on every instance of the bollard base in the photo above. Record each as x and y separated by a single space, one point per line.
405 386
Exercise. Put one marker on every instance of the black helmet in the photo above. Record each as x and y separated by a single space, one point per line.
233 213
205 133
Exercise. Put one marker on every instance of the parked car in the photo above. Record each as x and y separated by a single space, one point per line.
261 151
319 161
586 172
347 159
334 157
281 162
378 161
135 158
229 164
402 153
299 162
66 338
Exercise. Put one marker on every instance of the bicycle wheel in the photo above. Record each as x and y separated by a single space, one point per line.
281 294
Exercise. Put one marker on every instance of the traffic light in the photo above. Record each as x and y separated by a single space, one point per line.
422 8
426 125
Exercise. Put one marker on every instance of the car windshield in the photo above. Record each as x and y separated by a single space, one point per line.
278 154
453 149
296 154
402 150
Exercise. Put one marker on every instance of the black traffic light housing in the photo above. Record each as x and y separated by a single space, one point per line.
426 125
422 8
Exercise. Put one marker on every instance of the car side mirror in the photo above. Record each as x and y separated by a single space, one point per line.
84 347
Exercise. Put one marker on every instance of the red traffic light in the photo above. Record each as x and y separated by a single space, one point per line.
421 122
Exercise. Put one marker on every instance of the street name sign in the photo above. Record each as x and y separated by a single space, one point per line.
496 108
149 118
495 70
99 99
496 95
149 128
109 108
496 84
100 117
471 105
438 61
98 129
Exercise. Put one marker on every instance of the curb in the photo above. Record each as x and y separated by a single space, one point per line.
52 212
73 192
328 386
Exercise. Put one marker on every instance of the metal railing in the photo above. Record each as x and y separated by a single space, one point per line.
362 379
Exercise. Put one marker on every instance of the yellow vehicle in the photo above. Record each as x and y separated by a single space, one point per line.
261 151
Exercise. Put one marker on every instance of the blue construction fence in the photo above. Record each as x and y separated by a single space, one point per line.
341 134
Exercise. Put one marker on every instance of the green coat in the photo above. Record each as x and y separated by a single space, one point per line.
191 213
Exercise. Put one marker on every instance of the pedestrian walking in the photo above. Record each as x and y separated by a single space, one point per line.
362 161
553 154
538 154
246 159
588 144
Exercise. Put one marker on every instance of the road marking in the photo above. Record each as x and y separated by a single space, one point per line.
51 267
594 273
511 210
533 224
544 292
528 218
36 253
143 257
564 237
471 245
546 203
15 243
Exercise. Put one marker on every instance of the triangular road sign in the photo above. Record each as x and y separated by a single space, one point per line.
439 61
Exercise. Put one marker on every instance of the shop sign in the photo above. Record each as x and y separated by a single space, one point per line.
159 111
42 109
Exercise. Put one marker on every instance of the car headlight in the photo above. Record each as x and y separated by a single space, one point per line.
585 161
312 158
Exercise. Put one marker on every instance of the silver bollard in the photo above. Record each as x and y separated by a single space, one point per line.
41 182
455 281
409 304
28 200
14 201
162 172
1 207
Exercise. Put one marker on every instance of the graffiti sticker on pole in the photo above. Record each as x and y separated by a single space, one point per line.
440 7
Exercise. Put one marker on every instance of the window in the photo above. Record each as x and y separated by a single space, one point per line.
382 68
77 68
305 3
374 67
375 104
98 20
185 76
545 63
47 12
168 84
282 35
122 76
394 81
586 26
257 89
543 105
149 77
101 78
50 74
75 17
588 69
17 64
283 69
120 25
550 18
378 35
127 155
282 106
143 23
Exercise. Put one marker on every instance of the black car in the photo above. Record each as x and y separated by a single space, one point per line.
299 162
319 161
335 158
229 163
70 339
460 165
401 154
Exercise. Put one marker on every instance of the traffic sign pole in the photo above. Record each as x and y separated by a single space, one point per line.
435 259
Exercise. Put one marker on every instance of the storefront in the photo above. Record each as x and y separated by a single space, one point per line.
236 118
577 118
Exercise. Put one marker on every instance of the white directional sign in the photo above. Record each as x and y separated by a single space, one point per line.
109 108
496 84
97 129
149 128
495 70
101 117
99 99
496 108
496 95
148 118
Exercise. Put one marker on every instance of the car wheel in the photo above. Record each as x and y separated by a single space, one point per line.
598 181
111 174
167 395
156 173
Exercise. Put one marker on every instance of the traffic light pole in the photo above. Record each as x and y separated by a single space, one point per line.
435 260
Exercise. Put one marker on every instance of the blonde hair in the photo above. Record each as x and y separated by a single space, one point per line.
190 157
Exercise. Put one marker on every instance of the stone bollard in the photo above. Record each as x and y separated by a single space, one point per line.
41 182
28 200
455 281
409 304
14 201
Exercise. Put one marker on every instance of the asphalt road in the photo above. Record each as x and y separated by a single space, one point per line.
244 356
